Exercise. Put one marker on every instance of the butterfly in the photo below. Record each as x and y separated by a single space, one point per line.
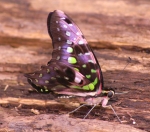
74 69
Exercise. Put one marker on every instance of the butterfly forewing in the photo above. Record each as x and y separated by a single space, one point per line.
71 48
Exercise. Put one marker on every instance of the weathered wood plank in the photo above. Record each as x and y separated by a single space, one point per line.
54 123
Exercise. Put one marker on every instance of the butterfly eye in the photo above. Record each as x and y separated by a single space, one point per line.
110 94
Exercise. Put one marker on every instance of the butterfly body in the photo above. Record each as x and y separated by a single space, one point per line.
73 69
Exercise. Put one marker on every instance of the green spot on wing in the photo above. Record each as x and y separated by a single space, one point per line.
55 68
95 81
48 70
45 87
84 66
46 90
88 76
69 50
85 87
37 85
76 69
93 71
40 75
46 81
77 87
72 60
105 92
53 78
91 86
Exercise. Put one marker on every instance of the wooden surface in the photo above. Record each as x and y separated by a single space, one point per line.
56 123
115 29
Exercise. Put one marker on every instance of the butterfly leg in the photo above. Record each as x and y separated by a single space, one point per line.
82 106
110 106
104 104
89 111
77 108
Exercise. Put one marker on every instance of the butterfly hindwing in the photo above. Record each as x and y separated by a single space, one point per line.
43 79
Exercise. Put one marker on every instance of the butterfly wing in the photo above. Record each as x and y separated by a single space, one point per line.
73 62
71 48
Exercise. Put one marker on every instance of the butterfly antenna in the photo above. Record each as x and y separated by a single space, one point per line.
89 111
128 61
77 108
125 92
115 113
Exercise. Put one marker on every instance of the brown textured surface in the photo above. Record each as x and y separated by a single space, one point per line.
116 29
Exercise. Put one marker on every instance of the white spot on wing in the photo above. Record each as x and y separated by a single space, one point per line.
69 42
80 42
68 33
66 78
77 33
65 26
77 80
70 25
88 53
58 57
91 61
80 54
59 38
59 48
58 29
56 21
62 18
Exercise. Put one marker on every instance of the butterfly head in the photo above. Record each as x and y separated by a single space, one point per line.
107 93
101 98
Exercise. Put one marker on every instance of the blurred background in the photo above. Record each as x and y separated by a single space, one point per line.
121 22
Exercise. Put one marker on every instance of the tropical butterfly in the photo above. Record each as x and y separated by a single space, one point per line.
73 69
